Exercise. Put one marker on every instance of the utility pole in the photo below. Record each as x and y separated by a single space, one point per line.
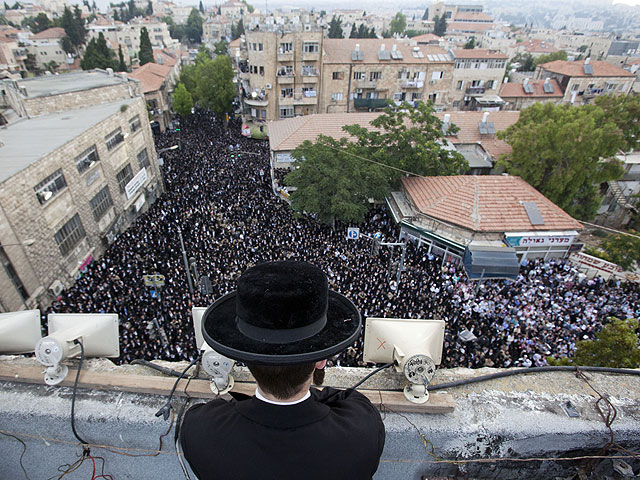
186 263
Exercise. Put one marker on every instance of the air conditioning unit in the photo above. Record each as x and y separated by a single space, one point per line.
56 288
268 86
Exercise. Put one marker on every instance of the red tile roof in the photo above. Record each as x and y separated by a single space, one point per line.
575 69
427 38
485 203
477 16
479 53
55 32
510 90
151 76
167 58
538 46
468 27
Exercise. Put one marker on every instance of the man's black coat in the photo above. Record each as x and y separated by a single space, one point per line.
248 439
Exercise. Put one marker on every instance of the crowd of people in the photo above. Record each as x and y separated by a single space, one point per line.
219 195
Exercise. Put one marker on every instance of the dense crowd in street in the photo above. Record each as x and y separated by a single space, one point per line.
231 219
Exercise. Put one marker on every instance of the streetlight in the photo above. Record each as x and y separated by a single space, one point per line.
168 148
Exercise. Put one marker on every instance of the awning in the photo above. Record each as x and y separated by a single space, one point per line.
490 262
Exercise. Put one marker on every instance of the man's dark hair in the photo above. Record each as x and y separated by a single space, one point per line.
283 381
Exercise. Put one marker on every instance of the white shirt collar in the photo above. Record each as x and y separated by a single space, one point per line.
259 396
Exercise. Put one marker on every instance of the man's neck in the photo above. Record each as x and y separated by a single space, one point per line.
298 396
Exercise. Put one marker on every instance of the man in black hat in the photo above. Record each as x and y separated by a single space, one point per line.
283 322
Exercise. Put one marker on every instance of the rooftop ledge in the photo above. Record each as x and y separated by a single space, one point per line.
509 427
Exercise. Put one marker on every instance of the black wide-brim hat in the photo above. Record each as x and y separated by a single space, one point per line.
282 313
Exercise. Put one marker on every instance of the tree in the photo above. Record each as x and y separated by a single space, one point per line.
150 8
623 250
331 182
122 66
615 346
214 85
116 16
182 101
624 110
363 31
471 44
525 61
354 32
439 25
335 28
194 26
80 29
398 24
31 63
372 33
146 50
221 47
426 14
98 55
408 138
238 30
201 7
39 23
550 57
564 152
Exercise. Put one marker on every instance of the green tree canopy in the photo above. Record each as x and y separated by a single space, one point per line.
149 10
332 182
471 44
549 57
623 250
182 101
146 50
564 152
214 85
398 23
237 30
221 47
408 138
335 28
439 25
73 25
194 26
98 55
425 16
354 31
624 110
615 346
122 66
38 23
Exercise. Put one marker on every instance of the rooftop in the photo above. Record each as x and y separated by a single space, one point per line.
508 90
576 69
479 53
468 27
151 76
55 32
340 50
427 38
53 131
472 16
49 85
165 57
485 203
535 45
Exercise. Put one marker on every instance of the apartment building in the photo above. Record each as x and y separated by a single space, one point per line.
215 29
364 74
282 73
129 34
76 170
477 76
47 48
583 80
522 95
12 56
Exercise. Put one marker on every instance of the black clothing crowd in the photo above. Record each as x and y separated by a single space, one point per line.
231 219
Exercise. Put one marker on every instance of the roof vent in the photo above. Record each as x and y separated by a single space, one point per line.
587 60
485 117
526 81
393 47
110 71
447 117
357 47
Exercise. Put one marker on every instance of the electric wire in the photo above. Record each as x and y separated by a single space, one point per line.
372 161
146 363
24 450
351 389
164 411
523 371
73 396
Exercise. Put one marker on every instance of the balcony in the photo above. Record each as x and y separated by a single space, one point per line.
243 75
475 90
285 79
288 100
593 92
413 84
306 98
310 56
371 85
370 103
257 102
309 79
285 56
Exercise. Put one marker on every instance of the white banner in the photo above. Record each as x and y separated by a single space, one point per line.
135 183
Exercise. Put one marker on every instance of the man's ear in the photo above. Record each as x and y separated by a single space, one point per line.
321 364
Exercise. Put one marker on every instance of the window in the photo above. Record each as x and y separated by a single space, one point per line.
114 139
375 76
397 96
490 84
286 112
338 76
460 84
416 96
456 104
286 92
13 275
436 75
309 71
50 186
359 75
286 47
575 87
262 70
86 159
403 75
263 113
260 47
135 124
310 47
432 96
70 235
337 96
101 203
476 83
123 177
143 158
